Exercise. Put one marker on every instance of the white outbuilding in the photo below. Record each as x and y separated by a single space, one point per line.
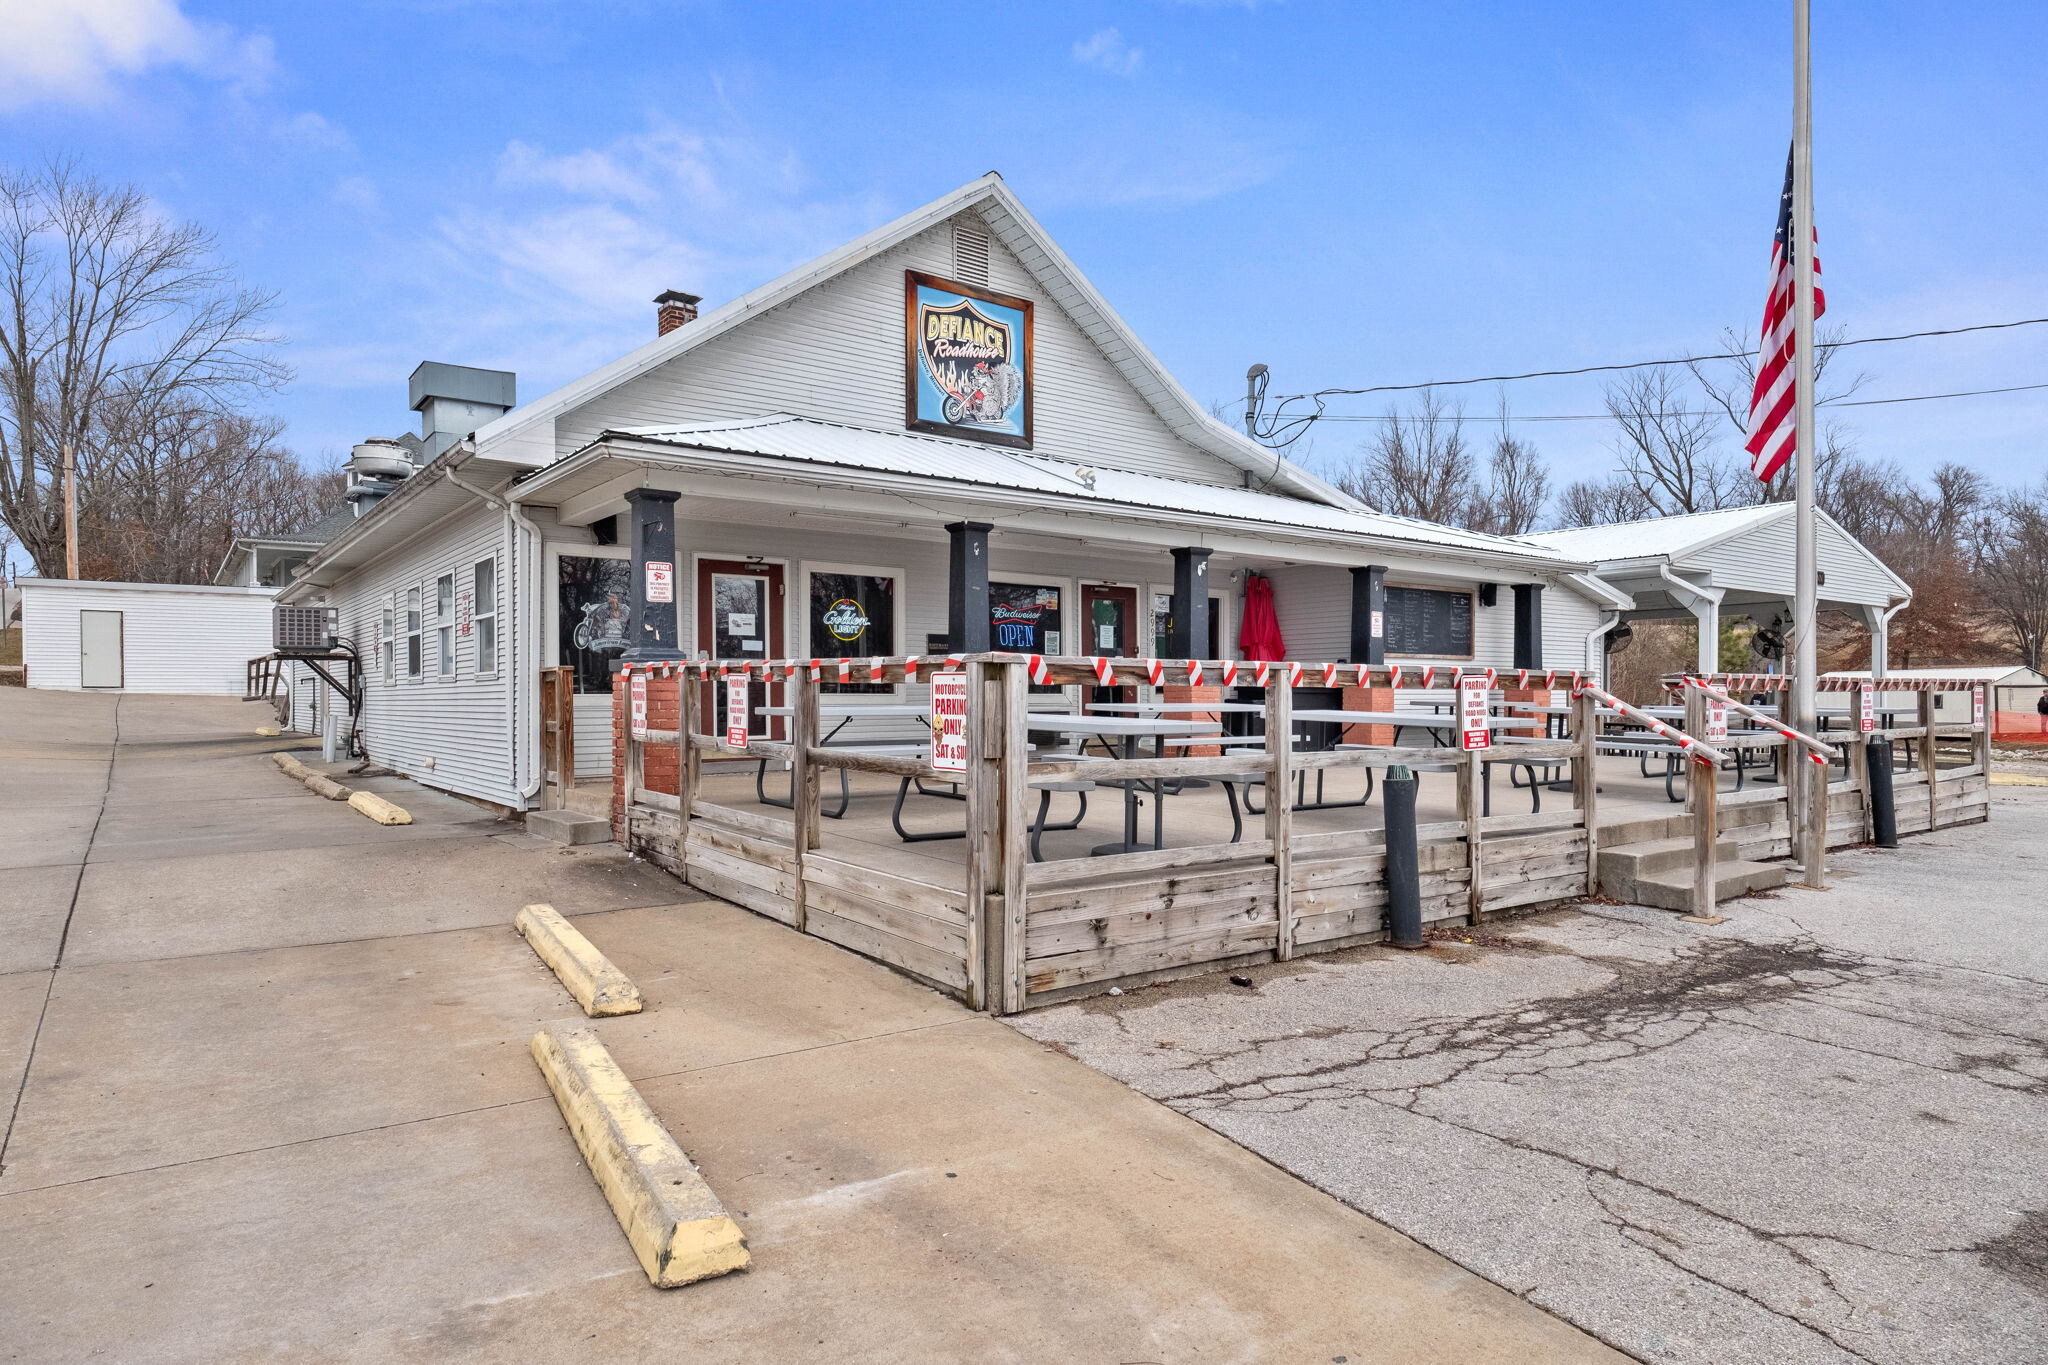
142 637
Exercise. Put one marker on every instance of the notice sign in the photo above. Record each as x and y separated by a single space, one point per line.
1977 705
736 712
1717 721
949 722
637 691
1472 713
661 581
1866 709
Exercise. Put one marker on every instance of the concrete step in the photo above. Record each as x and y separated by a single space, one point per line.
1672 890
568 826
1658 855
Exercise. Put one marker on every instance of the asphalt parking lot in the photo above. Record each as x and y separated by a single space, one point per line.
1813 1133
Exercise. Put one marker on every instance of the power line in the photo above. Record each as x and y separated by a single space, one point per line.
1710 412
1282 431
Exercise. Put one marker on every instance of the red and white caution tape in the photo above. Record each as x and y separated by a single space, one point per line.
1035 664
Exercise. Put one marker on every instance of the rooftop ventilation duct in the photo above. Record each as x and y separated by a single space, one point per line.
375 468
454 400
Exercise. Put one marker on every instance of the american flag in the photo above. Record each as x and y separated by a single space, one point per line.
1772 431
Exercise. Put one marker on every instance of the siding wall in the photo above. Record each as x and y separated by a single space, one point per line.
836 353
457 732
1314 606
191 641
1761 561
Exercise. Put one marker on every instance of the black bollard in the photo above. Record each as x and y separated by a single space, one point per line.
1884 820
1404 878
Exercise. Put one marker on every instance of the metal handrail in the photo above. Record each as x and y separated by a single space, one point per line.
1698 750
1816 750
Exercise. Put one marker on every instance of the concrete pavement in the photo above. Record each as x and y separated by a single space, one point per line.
269 1097
1810 1134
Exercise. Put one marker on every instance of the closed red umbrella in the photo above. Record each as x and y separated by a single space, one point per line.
1258 636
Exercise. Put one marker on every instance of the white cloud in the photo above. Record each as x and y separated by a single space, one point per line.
1106 50
313 132
72 51
360 193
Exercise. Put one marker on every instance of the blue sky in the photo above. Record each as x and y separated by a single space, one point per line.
1352 194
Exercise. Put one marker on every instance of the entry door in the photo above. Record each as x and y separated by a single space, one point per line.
99 649
739 616
1110 628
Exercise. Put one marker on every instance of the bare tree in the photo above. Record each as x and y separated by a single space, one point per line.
1667 446
113 321
1601 502
2013 573
1517 487
1417 465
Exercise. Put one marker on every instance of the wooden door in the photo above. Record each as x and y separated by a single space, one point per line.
740 616
1111 627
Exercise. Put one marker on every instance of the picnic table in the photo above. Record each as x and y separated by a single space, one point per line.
1129 729
845 714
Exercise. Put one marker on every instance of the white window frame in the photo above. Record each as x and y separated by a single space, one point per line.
1225 640
387 638
444 627
800 629
415 632
482 612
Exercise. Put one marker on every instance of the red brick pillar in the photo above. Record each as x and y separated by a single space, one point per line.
1540 696
1177 695
1368 699
660 764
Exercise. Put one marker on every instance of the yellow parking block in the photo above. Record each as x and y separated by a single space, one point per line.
598 986
378 809
677 1227
2018 780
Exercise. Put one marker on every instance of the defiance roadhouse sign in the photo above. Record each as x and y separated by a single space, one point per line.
966 361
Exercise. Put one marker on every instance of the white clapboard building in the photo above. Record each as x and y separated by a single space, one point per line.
78 635
939 435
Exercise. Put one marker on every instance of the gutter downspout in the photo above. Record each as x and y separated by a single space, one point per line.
523 740
1708 653
1881 640
1599 587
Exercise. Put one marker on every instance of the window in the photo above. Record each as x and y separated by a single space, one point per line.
851 615
387 642
485 582
444 625
1025 617
412 633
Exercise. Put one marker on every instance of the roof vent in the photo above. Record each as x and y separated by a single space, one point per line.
970 254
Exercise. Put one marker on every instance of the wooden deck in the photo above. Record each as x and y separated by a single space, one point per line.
979 917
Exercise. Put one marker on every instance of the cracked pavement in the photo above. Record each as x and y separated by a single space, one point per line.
1812 1133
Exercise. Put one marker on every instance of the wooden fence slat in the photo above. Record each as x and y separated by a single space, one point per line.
1118 864
744 820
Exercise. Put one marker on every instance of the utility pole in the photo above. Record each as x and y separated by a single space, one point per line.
70 514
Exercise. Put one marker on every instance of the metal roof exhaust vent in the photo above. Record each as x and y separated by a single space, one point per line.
454 400
970 254
375 468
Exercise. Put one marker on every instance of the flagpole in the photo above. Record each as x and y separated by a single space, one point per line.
1805 604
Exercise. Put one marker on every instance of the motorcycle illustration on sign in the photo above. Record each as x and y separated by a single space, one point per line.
967 363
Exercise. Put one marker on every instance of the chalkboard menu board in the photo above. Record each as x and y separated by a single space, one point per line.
1429 623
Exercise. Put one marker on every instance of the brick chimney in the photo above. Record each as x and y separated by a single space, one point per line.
675 308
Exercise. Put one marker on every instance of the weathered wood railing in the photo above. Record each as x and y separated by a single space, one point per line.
1004 932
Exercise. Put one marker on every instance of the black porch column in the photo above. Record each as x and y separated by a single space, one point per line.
1187 629
1528 625
1369 614
967 587
653 512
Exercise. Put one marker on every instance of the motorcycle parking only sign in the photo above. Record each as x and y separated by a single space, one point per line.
949 722
967 361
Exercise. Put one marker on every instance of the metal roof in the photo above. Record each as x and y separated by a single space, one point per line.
1657 537
787 437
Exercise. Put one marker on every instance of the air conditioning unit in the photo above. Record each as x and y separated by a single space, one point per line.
305 630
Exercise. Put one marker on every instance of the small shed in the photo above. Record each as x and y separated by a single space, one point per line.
142 637
2014 692
1734 562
